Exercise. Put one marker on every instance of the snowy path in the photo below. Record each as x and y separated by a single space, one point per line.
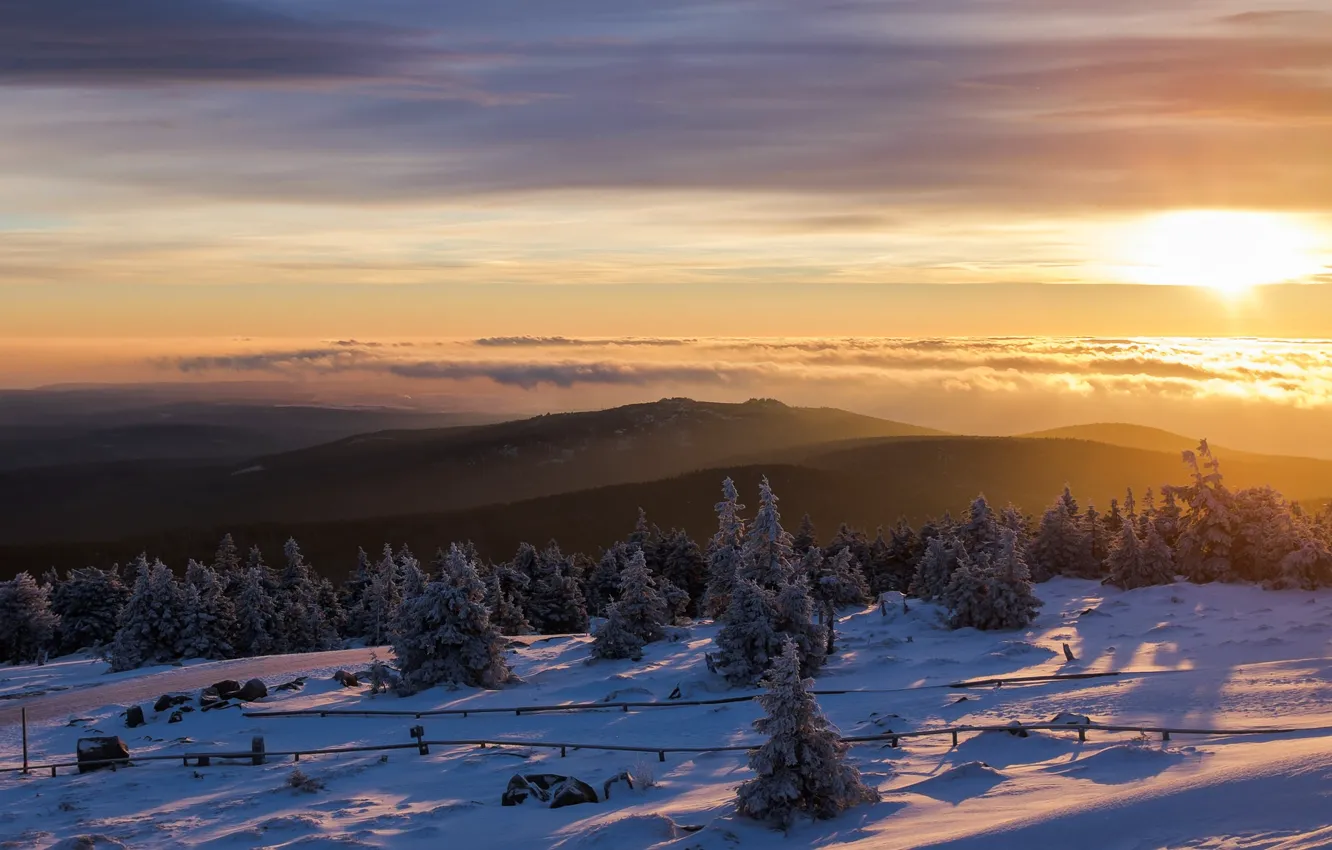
85 686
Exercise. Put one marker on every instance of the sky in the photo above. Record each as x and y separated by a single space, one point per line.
207 178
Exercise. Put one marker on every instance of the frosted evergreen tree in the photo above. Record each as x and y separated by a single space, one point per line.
748 642
677 600
936 568
1169 517
840 583
555 602
1207 534
684 565
303 625
380 600
1097 542
992 591
802 767
615 638
805 537
1147 514
980 532
330 602
1060 546
444 633
151 623
349 595
640 606
257 622
895 568
526 561
88 604
724 552
1114 520
793 620
505 590
1309 567
227 564
208 615
27 624
1013 519
766 556
1267 529
603 584
855 540
1130 507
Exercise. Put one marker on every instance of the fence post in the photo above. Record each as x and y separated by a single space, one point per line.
257 748
23 715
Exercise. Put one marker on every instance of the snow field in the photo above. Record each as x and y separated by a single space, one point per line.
1237 656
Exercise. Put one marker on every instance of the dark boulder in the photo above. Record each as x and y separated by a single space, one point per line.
293 685
252 690
176 717
134 717
347 680
166 701
226 689
549 788
97 753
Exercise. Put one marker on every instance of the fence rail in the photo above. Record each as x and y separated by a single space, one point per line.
891 738
518 710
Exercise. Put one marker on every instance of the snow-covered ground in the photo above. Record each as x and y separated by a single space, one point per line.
1240 657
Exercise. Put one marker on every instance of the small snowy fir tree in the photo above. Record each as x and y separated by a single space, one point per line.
1136 563
256 617
505 591
724 552
684 565
805 537
1060 546
27 624
615 638
766 557
980 532
1207 534
640 606
802 767
1015 521
992 591
228 566
1309 567
555 603
88 604
840 582
1169 517
304 627
444 633
748 642
603 584
209 617
380 600
1097 543
936 567
793 620
151 622
893 571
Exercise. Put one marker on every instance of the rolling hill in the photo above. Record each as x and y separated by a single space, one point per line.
397 472
866 485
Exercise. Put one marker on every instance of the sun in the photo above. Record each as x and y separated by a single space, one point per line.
1229 251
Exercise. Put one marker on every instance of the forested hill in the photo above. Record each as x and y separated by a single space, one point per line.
865 485
389 473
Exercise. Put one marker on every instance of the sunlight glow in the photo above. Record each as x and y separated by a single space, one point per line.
1228 251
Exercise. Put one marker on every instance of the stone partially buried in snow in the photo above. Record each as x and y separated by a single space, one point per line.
134 717
97 753
553 789
252 690
226 689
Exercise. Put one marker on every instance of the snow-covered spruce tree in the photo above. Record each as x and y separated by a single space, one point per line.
766 556
642 532
444 633
1012 518
505 591
351 591
793 620
615 638
152 621
208 615
304 628
379 601
992 591
603 584
1114 521
677 600
256 617
936 567
27 624
748 642
227 564
555 604
894 568
1098 543
1146 513
1060 546
330 602
855 540
684 565
1169 517
1267 529
724 552
839 582
1207 534
1308 567
802 767
805 537
88 603
980 532
641 607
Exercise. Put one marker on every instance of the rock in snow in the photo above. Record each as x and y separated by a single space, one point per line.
93 750
558 791
253 690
